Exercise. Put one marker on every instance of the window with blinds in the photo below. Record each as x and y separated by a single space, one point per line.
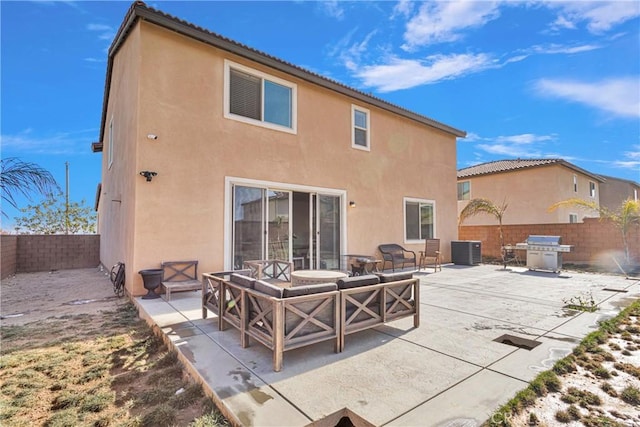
260 99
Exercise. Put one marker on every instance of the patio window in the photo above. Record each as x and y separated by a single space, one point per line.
419 220
360 125
464 190
257 98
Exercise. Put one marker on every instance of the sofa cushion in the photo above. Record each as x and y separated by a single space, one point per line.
356 281
394 277
268 288
296 291
241 280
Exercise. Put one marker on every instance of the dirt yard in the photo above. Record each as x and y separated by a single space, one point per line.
75 354
30 297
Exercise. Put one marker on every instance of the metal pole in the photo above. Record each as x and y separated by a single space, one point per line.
66 211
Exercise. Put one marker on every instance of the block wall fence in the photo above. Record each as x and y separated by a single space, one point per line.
593 240
29 253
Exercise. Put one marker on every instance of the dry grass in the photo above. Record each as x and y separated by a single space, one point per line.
594 386
105 369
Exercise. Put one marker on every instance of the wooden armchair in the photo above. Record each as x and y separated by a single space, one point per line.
431 252
396 255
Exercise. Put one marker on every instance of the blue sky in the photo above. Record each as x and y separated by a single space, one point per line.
524 79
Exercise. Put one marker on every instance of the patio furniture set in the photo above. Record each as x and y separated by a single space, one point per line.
282 316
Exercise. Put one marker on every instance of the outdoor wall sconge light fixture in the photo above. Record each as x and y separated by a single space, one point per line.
152 136
352 204
148 174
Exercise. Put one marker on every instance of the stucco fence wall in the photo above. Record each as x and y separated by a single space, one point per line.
31 253
594 241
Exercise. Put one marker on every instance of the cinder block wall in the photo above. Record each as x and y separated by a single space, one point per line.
9 248
591 240
56 252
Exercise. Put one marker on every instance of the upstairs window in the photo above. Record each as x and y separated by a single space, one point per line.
260 99
573 218
575 183
464 190
592 189
419 219
360 125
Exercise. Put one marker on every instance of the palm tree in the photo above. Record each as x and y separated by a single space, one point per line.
627 215
25 178
480 205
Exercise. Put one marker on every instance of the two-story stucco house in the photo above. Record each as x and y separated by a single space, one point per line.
256 158
614 191
529 187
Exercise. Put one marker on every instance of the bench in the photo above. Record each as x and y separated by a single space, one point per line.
396 255
180 276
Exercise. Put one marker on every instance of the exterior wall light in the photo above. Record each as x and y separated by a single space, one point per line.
148 175
352 204
152 136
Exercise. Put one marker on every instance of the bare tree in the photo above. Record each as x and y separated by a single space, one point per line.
18 177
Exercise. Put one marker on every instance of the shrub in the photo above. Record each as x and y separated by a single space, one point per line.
631 395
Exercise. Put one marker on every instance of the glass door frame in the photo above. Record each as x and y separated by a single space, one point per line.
230 182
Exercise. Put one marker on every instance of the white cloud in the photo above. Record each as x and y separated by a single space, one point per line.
620 97
525 138
400 73
27 142
439 22
403 8
553 49
631 160
332 8
106 32
599 17
525 145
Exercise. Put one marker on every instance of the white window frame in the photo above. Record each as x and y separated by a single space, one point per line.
355 108
575 183
404 217
110 147
468 194
573 215
228 65
592 189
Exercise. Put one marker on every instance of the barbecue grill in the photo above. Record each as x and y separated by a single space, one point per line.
544 252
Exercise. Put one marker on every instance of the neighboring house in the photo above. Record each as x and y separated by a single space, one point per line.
256 158
614 191
529 187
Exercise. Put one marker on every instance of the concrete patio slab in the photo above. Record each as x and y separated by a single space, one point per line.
447 372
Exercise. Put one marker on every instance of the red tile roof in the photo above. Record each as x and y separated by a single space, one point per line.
500 166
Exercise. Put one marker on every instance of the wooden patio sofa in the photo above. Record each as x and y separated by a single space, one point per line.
372 300
271 270
396 255
283 319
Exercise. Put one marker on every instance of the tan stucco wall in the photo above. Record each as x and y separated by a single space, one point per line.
180 214
116 208
613 192
529 193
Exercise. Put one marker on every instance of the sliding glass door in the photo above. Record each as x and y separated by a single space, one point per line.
298 226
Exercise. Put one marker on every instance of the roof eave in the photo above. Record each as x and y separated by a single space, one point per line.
140 10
